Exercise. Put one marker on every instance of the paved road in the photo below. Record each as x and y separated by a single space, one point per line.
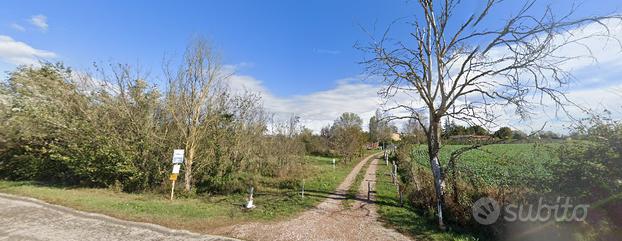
329 220
31 219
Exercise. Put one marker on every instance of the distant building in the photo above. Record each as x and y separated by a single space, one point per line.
396 137
373 145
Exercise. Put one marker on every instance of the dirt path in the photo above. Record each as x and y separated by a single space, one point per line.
329 220
30 219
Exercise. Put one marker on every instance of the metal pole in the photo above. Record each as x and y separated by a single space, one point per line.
172 189
303 188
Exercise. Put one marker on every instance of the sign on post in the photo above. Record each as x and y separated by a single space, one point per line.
176 168
178 156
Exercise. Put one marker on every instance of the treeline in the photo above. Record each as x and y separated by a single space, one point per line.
116 128
451 129
119 129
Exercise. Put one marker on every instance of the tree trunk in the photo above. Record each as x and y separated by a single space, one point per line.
434 146
188 167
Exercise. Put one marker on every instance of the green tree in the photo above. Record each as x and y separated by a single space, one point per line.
192 98
346 136
477 130
503 133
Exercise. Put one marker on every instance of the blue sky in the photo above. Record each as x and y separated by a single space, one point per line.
292 51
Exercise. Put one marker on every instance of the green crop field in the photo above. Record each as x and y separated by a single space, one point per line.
491 167
500 164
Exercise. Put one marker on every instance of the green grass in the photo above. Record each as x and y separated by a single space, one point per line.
405 219
201 213
354 188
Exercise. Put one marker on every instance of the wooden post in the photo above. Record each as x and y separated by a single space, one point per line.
399 191
172 189
368 190
303 188
395 173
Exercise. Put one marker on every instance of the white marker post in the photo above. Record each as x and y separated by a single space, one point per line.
178 158
249 204
333 164
303 188
368 190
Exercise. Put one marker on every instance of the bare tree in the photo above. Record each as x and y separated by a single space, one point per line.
468 70
380 130
193 91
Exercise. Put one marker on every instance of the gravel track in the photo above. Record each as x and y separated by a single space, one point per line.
329 220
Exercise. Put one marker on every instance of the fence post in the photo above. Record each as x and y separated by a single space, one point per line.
303 188
399 191
393 176
395 172
368 190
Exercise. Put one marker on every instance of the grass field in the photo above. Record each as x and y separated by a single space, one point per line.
404 218
201 213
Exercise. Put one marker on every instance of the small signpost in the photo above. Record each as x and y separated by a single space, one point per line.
178 158
333 164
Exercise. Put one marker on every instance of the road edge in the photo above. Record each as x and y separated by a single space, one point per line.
106 218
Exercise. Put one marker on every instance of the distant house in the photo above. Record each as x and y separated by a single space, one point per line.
470 138
373 145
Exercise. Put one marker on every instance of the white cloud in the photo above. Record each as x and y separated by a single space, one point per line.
16 52
18 27
39 21
319 108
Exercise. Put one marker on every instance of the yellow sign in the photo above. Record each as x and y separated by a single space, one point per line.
173 177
